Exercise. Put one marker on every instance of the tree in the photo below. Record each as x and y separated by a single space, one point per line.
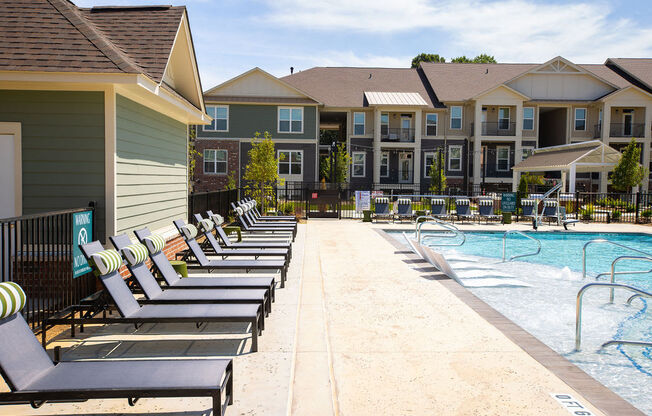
628 173
192 157
480 59
261 173
461 60
427 57
341 166
526 180
437 173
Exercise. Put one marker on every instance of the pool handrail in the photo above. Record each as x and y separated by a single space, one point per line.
524 235
578 308
614 273
603 241
443 224
538 217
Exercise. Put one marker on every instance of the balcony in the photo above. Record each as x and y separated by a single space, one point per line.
496 128
397 135
627 130
597 131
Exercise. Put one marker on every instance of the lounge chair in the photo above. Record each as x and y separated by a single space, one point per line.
135 256
189 232
155 245
108 263
257 213
34 378
265 229
207 226
382 209
249 207
529 207
463 209
404 209
486 209
550 209
438 208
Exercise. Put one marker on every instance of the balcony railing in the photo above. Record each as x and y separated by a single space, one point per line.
627 130
496 128
397 135
597 131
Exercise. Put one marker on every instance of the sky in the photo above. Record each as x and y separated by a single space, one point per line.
233 36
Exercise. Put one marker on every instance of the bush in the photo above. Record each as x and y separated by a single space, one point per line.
587 212
646 214
615 216
286 208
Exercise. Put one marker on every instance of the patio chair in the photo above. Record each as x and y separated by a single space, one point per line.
248 208
34 378
438 208
256 213
529 207
207 226
463 209
550 210
135 256
264 229
486 209
155 245
189 232
108 263
382 209
404 209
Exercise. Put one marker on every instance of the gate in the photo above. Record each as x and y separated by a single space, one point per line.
323 203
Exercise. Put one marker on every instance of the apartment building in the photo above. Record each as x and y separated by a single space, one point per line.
485 118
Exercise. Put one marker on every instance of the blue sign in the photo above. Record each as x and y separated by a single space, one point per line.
82 233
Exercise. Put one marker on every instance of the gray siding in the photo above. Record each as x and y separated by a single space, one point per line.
364 145
150 167
246 120
63 148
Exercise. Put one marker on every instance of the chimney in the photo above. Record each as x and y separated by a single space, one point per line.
291 70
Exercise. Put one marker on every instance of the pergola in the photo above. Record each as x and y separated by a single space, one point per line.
569 159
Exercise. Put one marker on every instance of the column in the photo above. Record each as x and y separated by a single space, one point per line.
518 140
477 144
603 181
646 145
572 180
606 123
377 152
564 180
516 177
418 125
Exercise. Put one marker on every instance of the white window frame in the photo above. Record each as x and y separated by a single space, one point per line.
211 110
426 170
525 118
509 117
524 149
385 156
430 124
450 147
289 161
575 119
461 118
278 120
364 164
364 121
215 161
498 149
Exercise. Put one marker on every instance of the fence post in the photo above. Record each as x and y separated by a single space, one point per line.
638 205
577 205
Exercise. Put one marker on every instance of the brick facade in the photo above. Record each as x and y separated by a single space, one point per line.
172 247
214 182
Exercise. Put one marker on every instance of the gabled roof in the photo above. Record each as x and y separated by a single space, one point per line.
559 64
587 156
640 69
345 86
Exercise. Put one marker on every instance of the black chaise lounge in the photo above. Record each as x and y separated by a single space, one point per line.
257 213
189 232
108 263
155 245
248 227
34 378
135 256
207 226
249 208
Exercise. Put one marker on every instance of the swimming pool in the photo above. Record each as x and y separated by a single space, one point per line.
540 297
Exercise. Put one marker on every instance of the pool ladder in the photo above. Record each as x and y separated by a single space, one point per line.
603 241
452 230
534 253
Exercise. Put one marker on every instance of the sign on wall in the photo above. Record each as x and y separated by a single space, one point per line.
82 233
362 200
508 202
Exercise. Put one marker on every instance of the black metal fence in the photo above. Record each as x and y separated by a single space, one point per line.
36 251
219 202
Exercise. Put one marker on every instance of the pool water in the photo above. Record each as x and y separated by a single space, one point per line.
544 304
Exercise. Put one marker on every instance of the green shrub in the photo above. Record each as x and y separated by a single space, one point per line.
587 212
646 213
615 215
286 208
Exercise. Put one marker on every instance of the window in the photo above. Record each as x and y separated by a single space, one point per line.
502 158
220 116
215 161
290 162
580 119
503 118
428 160
290 120
455 157
431 124
359 159
384 164
456 117
527 152
384 124
528 118
358 124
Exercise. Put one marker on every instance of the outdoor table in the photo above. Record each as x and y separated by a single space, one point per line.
180 266
233 229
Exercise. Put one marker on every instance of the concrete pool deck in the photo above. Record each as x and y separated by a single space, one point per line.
362 328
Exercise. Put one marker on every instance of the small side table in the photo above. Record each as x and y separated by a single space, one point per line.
233 229
181 267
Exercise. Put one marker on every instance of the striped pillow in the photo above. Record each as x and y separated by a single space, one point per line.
403 201
189 231
485 202
154 243
135 254
107 261
462 201
217 219
239 210
12 299
527 202
437 201
206 225
382 200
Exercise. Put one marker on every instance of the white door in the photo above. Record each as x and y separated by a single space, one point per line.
405 167
7 176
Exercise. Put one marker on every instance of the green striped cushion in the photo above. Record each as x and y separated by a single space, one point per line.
12 299
189 231
217 219
154 243
135 254
107 261
239 210
206 225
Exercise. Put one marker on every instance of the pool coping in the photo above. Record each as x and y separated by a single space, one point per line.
600 396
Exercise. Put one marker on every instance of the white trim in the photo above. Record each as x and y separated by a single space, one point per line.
364 122
15 129
383 154
509 117
364 164
215 107
524 108
216 173
110 148
289 161
498 149
450 147
575 119
278 119
436 125
461 117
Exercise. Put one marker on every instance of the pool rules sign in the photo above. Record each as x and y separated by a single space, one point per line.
82 233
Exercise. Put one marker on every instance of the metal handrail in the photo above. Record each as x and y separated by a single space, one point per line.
524 235
613 270
578 308
537 217
602 241
443 224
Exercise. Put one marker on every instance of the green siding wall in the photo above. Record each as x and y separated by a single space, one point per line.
245 120
150 166
63 148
